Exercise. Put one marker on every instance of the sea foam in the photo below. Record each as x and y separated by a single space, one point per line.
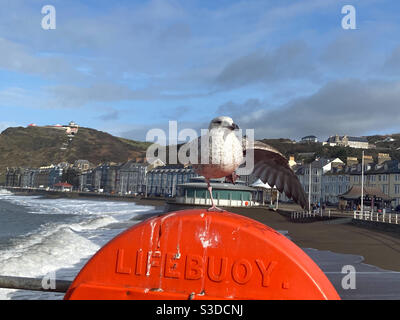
63 246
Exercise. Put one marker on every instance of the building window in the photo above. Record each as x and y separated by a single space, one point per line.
385 189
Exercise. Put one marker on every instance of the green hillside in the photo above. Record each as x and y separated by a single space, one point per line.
39 146
301 150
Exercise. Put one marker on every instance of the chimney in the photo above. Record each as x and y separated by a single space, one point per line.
368 159
382 157
351 161
292 162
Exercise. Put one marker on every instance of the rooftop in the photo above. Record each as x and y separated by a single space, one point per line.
354 139
217 186
355 193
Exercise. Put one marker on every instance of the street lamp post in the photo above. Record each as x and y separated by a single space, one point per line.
309 190
362 183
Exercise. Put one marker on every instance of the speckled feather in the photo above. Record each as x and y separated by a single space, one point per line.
226 153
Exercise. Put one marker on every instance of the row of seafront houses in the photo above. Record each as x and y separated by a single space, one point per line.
330 179
132 178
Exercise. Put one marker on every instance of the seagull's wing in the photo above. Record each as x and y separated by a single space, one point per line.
273 168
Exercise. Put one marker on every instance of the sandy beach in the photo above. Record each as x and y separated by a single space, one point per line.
379 248
332 244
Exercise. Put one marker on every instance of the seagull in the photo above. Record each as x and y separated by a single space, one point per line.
225 153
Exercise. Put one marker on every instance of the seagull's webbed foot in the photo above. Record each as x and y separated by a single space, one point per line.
215 208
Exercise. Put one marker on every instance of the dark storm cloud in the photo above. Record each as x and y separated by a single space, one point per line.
233 109
351 107
110 116
347 50
392 64
290 61
176 113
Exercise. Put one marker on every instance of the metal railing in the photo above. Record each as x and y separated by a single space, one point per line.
319 213
377 217
34 284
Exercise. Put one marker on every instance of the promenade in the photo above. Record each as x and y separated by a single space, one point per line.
378 247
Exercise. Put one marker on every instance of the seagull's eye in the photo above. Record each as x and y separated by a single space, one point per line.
218 122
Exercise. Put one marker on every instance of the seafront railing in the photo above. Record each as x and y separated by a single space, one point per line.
377 217
319 213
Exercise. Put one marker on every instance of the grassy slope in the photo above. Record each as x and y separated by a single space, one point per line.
335 152
36 146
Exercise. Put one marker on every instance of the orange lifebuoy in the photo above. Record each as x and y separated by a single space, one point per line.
195 254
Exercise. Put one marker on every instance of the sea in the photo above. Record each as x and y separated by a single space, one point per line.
41 237
44 237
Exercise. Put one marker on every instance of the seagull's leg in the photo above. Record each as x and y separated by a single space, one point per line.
213 207
232 177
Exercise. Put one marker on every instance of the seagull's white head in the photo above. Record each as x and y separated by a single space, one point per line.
223 122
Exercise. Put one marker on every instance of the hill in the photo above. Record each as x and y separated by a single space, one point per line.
380 142
308 151
39 146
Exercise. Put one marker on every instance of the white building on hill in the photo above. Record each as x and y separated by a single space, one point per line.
347 141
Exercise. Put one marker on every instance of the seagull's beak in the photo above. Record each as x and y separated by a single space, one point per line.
234 126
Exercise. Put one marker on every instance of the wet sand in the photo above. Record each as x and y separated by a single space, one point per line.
379 248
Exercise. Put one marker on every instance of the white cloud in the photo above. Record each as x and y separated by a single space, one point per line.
18 58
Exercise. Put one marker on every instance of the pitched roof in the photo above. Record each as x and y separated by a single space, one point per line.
387 167
355 139
216 186
355 193
259 184
316 164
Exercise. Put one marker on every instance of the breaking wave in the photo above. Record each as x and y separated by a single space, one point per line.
64 244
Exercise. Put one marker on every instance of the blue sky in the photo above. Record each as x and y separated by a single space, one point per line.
284 68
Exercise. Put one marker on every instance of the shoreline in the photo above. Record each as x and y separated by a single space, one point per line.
378 248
